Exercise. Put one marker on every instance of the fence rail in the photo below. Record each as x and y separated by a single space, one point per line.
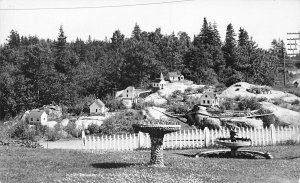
191 138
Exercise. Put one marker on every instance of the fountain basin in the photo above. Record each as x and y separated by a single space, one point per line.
240 142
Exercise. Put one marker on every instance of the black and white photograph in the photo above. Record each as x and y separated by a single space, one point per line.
149 91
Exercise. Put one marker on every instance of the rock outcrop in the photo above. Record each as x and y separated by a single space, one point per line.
285 116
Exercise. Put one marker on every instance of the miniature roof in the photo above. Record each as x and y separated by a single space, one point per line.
159 81
174 74
36 114
99 103
211 94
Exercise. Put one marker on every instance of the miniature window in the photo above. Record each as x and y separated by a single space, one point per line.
203 101
205 95
208 101
96 110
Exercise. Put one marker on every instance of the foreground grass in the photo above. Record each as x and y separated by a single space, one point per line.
41 165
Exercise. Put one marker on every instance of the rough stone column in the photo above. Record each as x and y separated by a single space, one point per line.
157 150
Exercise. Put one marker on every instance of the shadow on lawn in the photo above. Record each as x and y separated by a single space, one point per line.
289 157
187 155
109 165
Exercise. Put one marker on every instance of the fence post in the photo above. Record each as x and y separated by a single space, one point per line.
83 137
273 137
206 137
141 139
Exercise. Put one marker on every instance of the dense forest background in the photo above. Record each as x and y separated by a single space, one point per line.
36 72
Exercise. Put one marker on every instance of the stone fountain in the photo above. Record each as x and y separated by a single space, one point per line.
156 132
234 144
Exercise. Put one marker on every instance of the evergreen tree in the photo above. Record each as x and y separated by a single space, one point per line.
14 40
61 54
243 38
229 48
136 33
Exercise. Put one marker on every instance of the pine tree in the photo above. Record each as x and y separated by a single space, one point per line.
229 48
61 54
136 33
243 38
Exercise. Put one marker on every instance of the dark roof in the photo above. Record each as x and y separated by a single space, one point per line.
99 103
211 94
174 74
36 114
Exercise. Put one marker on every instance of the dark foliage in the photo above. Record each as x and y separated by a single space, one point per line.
36 72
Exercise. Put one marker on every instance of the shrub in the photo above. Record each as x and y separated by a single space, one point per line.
178 109
295 102
250 103
55 133
220 87
176 93
139 105
120 123
93 129
262 99
71 129
113 104
199 90
188 90
227 105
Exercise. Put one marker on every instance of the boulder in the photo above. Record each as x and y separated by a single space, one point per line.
51 124
240 90
84 121
156 99
64 122
285 116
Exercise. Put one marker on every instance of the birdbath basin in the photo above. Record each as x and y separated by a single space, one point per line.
156 132
234 146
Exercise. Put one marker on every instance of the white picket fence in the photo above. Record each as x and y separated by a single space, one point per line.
192 138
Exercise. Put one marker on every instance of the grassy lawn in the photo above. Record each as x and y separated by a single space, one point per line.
41 165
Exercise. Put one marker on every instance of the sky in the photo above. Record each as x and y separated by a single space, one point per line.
264 20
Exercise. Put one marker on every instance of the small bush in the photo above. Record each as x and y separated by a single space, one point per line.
188 90
94 129
55 133
113 104
262 99
176 94
220 87
296 102
71 129
199 90
120 123
251 103
178 109
226 105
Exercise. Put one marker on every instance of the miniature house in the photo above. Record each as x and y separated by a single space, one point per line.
209 99
97 107
36 117
174 76
159 83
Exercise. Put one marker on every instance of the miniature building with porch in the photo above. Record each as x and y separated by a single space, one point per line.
36 117
97 107
174 76
159 83
209 99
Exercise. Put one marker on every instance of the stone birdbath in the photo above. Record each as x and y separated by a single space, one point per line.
235 143
156 132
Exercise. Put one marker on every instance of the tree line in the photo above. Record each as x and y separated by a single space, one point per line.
36 72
